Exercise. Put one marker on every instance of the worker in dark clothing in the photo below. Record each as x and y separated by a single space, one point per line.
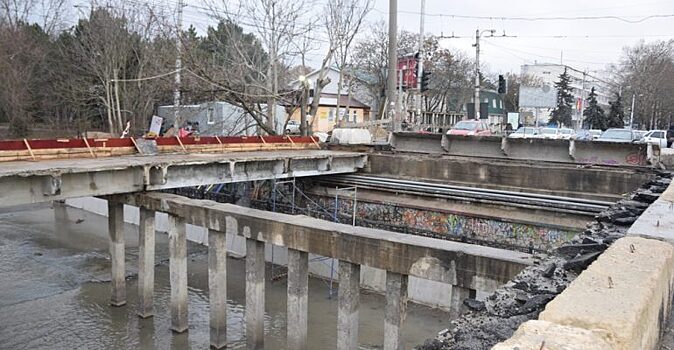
670 136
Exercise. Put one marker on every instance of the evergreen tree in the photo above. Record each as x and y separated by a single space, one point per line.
616 115
562 113
594 114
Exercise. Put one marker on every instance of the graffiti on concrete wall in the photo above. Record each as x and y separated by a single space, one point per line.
452 226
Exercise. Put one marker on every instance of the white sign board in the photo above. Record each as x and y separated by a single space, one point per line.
538 96
155 124
514 119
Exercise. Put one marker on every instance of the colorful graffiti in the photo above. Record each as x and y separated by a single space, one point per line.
452 226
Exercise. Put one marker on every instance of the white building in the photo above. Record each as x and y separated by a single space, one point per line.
581 84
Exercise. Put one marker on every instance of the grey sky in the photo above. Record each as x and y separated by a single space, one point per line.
606 38
588 45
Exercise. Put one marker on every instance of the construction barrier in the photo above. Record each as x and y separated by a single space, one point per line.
568 151
25 149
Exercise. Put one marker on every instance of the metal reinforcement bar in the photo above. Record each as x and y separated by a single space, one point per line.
566 151
530 200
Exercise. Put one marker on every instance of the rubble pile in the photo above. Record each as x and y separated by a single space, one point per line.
497 317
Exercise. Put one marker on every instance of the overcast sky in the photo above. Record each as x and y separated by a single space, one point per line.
584 44
590 44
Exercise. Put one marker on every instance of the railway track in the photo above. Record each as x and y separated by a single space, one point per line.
471 194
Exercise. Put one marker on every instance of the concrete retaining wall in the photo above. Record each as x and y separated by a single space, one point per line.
621 301
586 152
596 182
422 291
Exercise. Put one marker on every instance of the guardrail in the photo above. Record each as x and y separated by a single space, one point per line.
569 151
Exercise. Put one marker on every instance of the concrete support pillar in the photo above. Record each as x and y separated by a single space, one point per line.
298 299
255 294
458 295
348 302
396 308
217 287
146 263
178 272
116 232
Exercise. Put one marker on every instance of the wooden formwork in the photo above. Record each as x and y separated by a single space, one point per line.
16 150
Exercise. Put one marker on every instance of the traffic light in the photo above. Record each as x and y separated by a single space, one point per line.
502 85
425 80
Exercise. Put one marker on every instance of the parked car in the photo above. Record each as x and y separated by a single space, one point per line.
524 133
640 134
584 135
555 133
293 127
595 133
656 137
470 128
619 135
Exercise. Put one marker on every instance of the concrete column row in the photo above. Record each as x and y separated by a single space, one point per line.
298 286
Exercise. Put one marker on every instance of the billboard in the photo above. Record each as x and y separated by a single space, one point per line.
538 96
408 65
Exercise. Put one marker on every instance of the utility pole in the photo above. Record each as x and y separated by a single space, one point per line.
476 97
420 62
392 60
582 102
634 95
179 66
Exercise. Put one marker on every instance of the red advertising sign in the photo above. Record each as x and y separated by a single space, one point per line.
408 65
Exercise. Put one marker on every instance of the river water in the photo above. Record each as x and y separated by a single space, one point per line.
54 293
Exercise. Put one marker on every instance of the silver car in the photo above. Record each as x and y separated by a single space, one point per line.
619 135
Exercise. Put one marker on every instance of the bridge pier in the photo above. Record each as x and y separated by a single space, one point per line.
458 295
348 303
116 233
178 272
146 246
298 299
396 307
217 288
255 269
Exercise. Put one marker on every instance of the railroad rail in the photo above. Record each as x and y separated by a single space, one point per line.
473 194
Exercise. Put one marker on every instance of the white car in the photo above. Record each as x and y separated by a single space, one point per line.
555 133
293 127
656 137
524 133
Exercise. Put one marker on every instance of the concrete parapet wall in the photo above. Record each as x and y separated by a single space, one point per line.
571 151
621 301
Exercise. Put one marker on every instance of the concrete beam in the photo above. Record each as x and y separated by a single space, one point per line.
217 288
396 309
146 233
178 272
118 273
35 182
298 299
348 303
457 296
465 265
255 269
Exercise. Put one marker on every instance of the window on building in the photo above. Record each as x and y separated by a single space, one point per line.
355 116
546 72
493 103
331 115
500 103
209 116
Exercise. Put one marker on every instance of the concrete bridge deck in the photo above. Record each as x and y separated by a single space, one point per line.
24 182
